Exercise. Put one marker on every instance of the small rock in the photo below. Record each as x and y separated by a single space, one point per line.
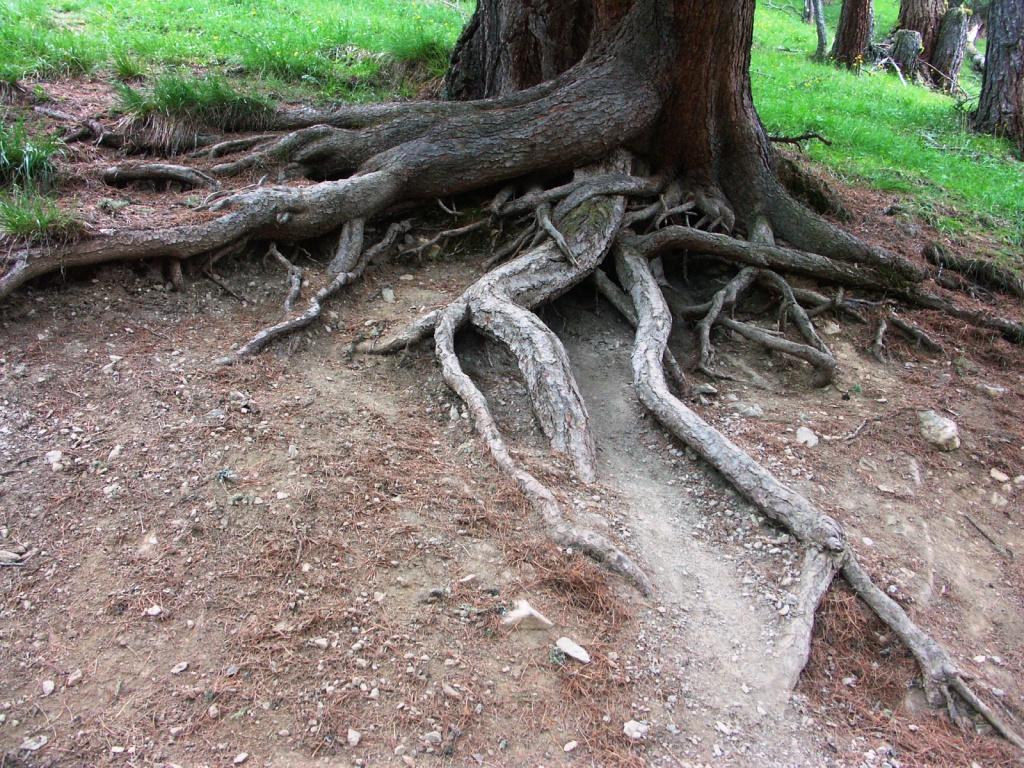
570 746
53 458
702 389
831 328
450 692
154 610
573 650
406 278
525 616
240 758
74 678
635 731
433 737
806 436
999 477
939 431
8 557
114 453
321 643
388 294
213 712
993 391
178 668
48 687
750 410
354 737
35 743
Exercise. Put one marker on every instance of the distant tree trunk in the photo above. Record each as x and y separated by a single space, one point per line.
808 11
819 23
948 56
1001 105
853 36
925 17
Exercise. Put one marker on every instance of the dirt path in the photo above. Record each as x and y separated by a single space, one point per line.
711 636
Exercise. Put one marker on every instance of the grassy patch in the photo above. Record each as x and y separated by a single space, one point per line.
171 115
332 45
26 160
29 217
209 101
906 140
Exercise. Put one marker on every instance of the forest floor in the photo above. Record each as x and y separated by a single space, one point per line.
305 559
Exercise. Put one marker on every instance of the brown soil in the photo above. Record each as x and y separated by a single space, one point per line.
328 549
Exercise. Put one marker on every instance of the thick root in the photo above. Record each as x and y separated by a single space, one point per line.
563 533
940 675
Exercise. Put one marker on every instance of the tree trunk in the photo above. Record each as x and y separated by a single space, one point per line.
853 35
950 48
821 30
1001 105
509 46
925 17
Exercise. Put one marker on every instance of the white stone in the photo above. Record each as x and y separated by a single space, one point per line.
573 650
178 668
240 758
570 746
354 737
48 687
388 294
35 743
939 431
634 730
525 616
999 477
74 678
154 611
806 436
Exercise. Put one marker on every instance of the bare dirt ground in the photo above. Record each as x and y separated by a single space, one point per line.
304 560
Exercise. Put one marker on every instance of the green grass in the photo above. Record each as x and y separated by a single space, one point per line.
26 160
26 216
895 138
209 101
335 45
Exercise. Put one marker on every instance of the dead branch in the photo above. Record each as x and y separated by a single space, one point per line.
122 174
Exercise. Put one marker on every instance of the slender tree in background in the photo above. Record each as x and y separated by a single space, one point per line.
1001 105
613 135
818 9
853 34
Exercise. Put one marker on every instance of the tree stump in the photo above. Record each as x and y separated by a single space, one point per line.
906 50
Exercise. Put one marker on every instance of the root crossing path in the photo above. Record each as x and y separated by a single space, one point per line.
712 650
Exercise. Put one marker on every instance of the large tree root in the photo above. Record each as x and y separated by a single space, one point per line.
940 675
371 163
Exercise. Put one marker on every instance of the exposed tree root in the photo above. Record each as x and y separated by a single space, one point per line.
122 174
294 278
940 676
379 160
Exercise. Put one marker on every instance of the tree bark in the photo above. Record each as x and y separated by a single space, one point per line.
906 50
821 29
1001 105
925 17
507 46
950 48
853 35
